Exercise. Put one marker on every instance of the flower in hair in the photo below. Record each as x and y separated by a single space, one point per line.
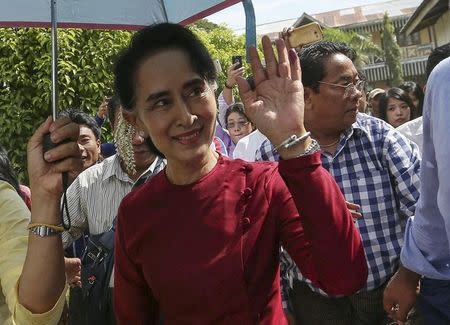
123 137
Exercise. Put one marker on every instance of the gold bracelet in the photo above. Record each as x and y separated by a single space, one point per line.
57 228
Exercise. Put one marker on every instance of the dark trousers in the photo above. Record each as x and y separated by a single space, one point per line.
434 301
80 313
364 308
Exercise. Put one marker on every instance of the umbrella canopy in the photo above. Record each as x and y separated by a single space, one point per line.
107 14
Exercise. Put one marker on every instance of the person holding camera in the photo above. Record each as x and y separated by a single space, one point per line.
245 148
225 100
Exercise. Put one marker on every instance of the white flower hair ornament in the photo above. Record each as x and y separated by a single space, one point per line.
123 137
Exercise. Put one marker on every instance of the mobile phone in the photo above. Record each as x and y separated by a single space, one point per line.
237 58
303 35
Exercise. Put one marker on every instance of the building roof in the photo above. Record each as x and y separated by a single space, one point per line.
351 17
362 14
426 15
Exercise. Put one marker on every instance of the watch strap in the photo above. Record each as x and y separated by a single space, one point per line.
44 231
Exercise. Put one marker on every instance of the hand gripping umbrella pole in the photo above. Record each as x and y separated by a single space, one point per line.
48 144
54 59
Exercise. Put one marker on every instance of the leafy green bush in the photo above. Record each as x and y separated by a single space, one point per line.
85 75
85 65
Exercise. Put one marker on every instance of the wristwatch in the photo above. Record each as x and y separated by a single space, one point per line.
44 231
226 86
311 148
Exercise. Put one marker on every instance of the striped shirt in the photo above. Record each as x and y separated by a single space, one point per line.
377 168
95 195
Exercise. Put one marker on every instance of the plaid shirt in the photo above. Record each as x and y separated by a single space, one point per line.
377 168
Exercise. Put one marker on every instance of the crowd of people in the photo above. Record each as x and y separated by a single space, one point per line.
304 202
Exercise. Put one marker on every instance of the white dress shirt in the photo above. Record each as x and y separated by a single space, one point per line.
94 197
247 146
413 130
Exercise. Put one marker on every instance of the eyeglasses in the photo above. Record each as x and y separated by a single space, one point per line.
350 89
239 125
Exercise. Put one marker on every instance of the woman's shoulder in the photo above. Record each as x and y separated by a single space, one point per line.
10 201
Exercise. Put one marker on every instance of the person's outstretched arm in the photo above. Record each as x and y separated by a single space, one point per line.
225 98
321 238
43 277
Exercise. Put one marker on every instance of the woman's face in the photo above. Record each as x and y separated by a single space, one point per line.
238 126
175 106
398 112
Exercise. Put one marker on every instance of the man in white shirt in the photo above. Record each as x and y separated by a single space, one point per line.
95 195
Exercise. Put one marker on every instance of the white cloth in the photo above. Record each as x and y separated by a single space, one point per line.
413 130
247 146
426 249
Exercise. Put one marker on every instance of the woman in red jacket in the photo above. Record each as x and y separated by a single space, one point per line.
200 241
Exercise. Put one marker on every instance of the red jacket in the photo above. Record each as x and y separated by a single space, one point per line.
208 252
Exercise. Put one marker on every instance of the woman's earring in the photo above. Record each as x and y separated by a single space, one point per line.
123 139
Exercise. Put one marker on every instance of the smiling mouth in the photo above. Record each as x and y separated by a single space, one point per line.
188 137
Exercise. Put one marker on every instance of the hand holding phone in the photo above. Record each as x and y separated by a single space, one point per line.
302 36
237 59
234 70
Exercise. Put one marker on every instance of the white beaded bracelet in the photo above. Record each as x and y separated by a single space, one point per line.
292 140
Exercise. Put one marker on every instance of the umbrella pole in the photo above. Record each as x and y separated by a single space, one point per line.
54 60
250 26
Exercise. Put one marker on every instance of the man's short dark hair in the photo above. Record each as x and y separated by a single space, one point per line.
82 118
154 39
437 55
312 60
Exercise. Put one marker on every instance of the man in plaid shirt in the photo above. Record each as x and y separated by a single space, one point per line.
375 167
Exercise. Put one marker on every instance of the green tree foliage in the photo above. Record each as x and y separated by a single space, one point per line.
361 43
85 75
391 51
222 43
85 64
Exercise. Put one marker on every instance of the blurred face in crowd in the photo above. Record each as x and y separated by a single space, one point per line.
238 126
398 112
375 105
90 146
333 108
